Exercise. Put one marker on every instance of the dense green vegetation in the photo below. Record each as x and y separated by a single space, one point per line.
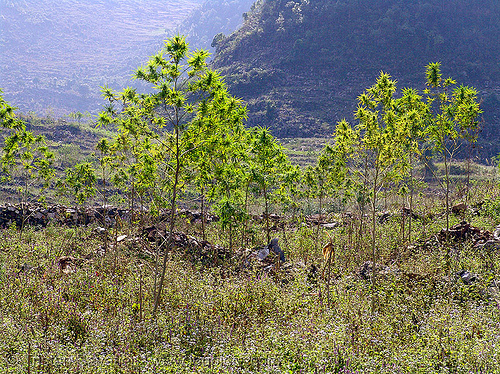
98 319
405 282
301 64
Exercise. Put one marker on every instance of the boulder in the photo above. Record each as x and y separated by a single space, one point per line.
367 269
459 209
467 277
496 233
330 226
384 217
274 247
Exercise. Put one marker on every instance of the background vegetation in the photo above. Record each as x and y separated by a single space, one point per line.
301 64
380 254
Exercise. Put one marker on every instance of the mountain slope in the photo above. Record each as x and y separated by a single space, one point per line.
301 64
57 53
211 18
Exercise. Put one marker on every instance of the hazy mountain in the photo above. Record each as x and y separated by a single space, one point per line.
301 64
212 18
55 54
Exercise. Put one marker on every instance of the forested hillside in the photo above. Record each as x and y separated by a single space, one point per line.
301 64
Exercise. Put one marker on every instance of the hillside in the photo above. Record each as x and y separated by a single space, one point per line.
301 64
56 54
211 18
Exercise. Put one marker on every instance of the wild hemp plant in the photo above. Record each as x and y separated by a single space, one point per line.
453 119
80 181
130 151
105 160
412 114
370 156
268 167
23 151
216 166
317 180
171 123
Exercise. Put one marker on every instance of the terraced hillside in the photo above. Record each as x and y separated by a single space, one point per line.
301 64
56 54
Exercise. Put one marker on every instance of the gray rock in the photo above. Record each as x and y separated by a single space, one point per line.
494 290
274 247
367 269
263 253
384 217
330 226
24 268
121 238
490 245
100 230
467 277
496 233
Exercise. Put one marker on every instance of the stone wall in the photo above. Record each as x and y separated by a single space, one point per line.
40 215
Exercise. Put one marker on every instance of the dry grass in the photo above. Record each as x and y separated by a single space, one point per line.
415 318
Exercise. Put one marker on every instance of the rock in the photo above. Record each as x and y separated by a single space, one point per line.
467 277
24 268
121 238
330 226
496 233
465 231
274 247
263 253
384 217
494 290
315 219
68 264
406 211
100 230
459 209
490 245
366 270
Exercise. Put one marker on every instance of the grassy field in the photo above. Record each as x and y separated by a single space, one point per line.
232 315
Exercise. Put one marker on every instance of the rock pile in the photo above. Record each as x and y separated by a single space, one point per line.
465 231
39 215
196 216
367 270
199 250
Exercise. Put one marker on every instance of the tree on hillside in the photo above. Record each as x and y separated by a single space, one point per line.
453 119
412 112
370 155
23 151
216 166
188 107
268 168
